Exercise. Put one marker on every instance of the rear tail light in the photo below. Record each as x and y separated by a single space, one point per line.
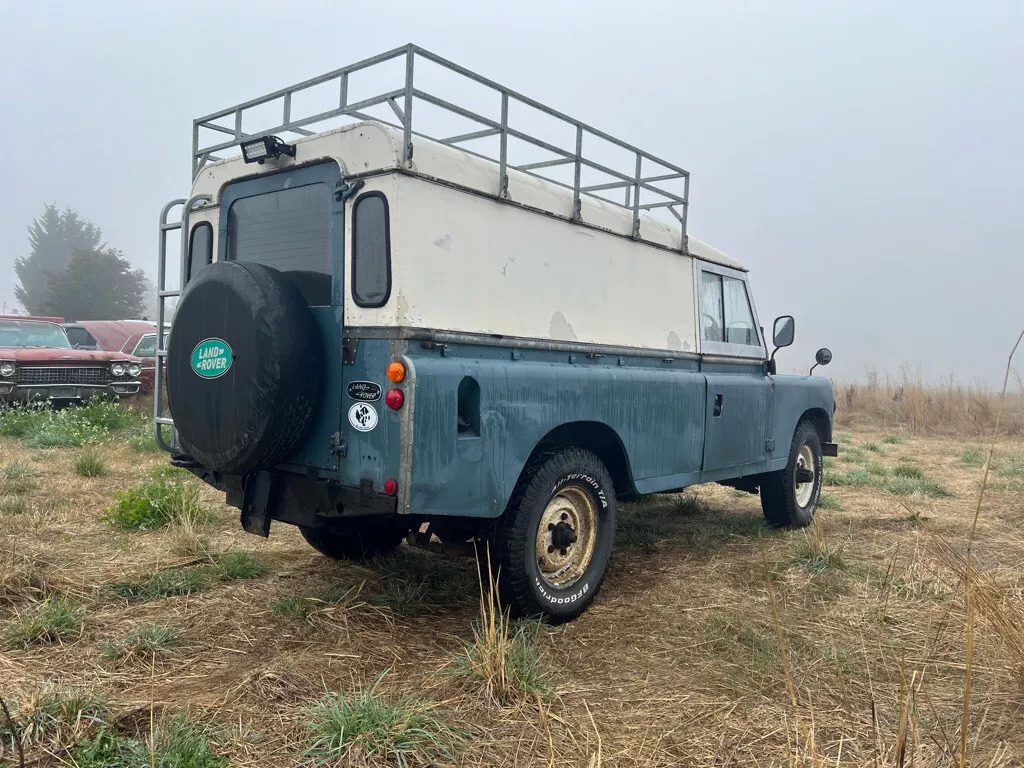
390 486
394 399
396 372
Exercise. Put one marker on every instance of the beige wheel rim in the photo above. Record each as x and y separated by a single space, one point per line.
566 537
804 491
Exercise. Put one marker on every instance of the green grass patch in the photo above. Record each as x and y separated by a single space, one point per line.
169 583
972 457
369 728
239 564
412 582
922 486
179 744
876 469
54 716
12 505
90 464
813 553
54 620
892 439
908 470
510 653
42 427
854 478
1011 466
873 447
830 502
142 641
153 504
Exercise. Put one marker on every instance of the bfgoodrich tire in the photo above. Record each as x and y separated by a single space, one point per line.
790 496
359 540
552 545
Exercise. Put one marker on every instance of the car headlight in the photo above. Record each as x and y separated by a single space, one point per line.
134 369
117 369
6 369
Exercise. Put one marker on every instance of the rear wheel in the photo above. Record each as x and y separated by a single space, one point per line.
554 541
789 497
361 539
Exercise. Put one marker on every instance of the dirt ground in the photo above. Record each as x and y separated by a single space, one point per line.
678 662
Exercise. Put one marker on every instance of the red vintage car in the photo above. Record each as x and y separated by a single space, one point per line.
131 337
37 362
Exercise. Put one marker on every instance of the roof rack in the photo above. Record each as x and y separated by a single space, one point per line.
639 177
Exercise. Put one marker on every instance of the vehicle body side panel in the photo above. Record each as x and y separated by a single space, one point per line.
656 411
794 397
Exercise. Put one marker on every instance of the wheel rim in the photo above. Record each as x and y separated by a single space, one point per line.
805 461
566 537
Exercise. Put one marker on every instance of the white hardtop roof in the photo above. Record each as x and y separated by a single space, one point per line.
370 148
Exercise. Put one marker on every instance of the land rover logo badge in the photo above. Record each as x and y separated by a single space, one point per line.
362 416
364 390
211 358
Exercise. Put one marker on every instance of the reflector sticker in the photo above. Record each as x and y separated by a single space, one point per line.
211 358
363 417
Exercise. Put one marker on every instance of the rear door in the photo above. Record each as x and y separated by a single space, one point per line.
293 221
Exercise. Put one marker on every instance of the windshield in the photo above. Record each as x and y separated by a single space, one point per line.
24 334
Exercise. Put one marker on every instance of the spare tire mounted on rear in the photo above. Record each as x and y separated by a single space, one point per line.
243 367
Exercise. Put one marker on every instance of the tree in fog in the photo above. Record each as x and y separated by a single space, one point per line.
72 273
96 285
52 238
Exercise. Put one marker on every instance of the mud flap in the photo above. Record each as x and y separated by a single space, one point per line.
829 449
259 497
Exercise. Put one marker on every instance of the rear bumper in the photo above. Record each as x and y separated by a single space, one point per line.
303 501
13 392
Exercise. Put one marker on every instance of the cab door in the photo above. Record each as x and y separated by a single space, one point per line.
739 393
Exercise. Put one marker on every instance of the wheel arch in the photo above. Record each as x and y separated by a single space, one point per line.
596 437
821 421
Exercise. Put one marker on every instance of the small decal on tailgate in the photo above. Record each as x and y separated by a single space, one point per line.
363 417
364 390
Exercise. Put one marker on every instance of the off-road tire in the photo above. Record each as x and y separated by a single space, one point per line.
778 489
521 587
359 540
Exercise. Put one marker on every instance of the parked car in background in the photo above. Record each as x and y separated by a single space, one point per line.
131 337
38 362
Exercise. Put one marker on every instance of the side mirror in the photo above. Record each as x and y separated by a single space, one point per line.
783 332
822 357
782 336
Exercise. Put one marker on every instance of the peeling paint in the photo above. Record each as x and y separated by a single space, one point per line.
444 243
403 308
673 341
560 328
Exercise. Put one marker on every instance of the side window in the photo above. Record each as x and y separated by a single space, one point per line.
739 320
146 346
371 251
200 248
712 317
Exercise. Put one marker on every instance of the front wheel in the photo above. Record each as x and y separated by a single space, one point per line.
553 543
789 497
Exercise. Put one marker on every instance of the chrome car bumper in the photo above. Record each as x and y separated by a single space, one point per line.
10 390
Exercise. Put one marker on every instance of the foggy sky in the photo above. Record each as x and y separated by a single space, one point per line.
863 159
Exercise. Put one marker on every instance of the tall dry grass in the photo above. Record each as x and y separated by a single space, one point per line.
905 402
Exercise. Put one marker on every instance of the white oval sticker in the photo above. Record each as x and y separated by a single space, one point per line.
362 416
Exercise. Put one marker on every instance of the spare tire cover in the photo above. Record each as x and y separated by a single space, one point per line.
243 367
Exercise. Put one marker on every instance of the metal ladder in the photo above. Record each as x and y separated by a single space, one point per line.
162 294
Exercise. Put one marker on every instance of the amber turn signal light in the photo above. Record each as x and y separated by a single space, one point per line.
396 371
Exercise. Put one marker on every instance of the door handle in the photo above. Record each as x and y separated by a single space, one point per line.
718 406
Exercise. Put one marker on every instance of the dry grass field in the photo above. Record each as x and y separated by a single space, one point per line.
715 641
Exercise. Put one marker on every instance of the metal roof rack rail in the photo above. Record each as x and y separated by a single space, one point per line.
642 189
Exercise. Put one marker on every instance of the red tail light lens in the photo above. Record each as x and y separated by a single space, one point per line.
390 486
394 399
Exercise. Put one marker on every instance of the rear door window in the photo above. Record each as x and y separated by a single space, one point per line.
200 248
289 230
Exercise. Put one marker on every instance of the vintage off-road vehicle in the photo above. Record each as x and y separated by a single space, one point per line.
388 331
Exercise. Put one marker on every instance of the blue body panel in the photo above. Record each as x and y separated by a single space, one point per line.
660 411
